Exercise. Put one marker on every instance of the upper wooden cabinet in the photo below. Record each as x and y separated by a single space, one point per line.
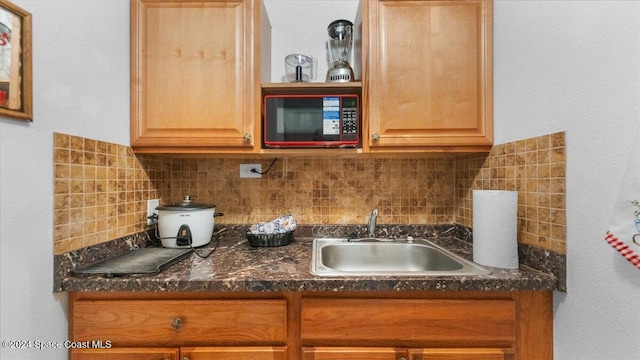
429 79
198 66
196 74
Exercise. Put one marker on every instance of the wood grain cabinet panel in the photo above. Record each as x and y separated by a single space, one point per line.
195 75
412 322
181 322
372 353
234 353
461 354
430 75
125 354
353 353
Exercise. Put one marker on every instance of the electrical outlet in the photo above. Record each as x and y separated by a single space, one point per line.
245 170
151 209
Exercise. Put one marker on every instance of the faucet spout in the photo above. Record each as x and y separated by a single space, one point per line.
372 223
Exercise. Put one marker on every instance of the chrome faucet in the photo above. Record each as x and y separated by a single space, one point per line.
372 223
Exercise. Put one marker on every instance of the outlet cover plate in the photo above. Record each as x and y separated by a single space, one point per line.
245 171
151 209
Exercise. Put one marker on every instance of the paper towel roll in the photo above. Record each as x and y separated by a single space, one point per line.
495 224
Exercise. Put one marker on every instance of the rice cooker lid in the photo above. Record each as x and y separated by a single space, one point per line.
186 205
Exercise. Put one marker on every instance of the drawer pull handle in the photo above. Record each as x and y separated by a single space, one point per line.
176 323
375 137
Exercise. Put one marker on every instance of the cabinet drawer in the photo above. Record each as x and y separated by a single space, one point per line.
180 322
411 323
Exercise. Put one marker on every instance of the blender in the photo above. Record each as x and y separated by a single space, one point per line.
341 34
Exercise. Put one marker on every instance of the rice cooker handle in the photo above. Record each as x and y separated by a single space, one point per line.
218 214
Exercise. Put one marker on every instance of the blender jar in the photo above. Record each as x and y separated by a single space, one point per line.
340 43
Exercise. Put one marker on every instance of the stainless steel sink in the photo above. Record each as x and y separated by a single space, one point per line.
372 256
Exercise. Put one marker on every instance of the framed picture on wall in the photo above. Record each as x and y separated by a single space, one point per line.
15 62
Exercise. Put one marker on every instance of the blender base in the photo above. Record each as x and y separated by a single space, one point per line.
340 74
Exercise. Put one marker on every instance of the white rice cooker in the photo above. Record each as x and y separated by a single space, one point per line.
186 224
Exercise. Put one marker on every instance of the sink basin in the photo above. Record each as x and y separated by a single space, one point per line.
369 257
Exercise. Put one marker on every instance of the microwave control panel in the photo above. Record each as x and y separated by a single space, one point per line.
350 121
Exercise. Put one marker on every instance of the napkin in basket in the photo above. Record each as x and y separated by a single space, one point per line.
280 225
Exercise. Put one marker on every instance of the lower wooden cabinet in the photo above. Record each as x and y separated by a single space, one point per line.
366 325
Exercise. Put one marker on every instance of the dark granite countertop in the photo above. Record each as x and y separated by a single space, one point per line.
236 266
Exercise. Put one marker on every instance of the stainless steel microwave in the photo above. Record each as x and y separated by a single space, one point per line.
318 120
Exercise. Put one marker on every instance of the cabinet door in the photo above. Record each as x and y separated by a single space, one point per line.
353 353
232 353
430 75
461 354
194 83
125 354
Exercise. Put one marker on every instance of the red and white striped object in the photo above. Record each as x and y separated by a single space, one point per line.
623 249
624 228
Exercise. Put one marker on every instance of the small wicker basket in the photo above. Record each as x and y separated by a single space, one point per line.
270 240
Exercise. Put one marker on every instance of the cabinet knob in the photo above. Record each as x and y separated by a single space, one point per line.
375 137
247 138
176 323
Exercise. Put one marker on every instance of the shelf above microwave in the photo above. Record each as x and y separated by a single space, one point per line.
311 88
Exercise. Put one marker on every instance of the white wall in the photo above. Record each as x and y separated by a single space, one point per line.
81 87
574 66
559 66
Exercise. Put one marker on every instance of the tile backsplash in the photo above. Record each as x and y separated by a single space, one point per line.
100 189
535 168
